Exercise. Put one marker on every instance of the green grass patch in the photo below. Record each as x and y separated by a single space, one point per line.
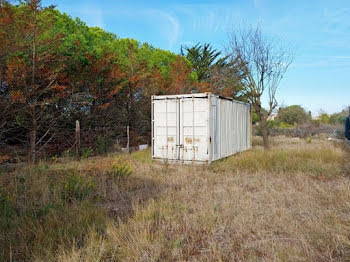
316 162
143 156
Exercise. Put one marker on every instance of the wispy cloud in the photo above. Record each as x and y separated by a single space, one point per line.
331 61
168 22
337 20
210 18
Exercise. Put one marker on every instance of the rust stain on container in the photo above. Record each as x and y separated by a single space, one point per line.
188 140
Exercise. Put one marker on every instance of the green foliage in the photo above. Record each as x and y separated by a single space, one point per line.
76 187
284 125
203 58
7 208
44 208
292 115
338 118
103 144
97 77
144 156
86 152
255 116
121 169
272 125
324 118
308 139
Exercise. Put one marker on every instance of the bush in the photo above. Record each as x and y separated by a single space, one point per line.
338 118
292 115
284 125
76 187
121 169
102 144
273 127
324 118
86 152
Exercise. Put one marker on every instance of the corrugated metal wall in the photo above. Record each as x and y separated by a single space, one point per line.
230 127
199 127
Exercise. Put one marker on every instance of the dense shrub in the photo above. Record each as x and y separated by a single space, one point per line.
103 144
273 127
338 118
292 115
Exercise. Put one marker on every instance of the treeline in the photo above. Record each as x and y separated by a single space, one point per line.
55 70
294 120
297 115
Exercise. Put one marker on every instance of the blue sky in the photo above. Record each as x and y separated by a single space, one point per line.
317 31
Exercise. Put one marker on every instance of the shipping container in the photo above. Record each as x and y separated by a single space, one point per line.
199 127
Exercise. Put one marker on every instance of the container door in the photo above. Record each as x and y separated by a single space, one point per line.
180 129
166 129
193 129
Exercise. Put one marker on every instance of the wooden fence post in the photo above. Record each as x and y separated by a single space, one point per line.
128 142
77 138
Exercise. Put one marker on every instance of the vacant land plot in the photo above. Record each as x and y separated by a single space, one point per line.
291 203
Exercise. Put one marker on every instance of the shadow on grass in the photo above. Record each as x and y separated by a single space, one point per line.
119 199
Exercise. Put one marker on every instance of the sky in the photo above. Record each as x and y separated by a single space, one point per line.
317 33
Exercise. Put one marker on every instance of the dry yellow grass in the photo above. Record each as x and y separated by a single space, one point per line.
289 204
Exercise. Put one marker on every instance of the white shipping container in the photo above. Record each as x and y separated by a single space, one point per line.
199 127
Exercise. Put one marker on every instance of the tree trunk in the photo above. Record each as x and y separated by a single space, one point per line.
33 131
264 133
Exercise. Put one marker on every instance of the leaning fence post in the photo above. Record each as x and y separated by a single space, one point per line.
77 138
128 145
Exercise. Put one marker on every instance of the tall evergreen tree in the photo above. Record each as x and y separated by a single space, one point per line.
203 58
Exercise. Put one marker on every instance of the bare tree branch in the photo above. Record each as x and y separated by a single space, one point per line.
265 63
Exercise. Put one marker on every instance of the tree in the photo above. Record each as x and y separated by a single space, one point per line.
294 114
203 59
221 75
33 73
227 79
7 109
55 70
265 63
180 80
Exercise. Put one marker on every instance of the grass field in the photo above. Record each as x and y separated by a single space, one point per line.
291 203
